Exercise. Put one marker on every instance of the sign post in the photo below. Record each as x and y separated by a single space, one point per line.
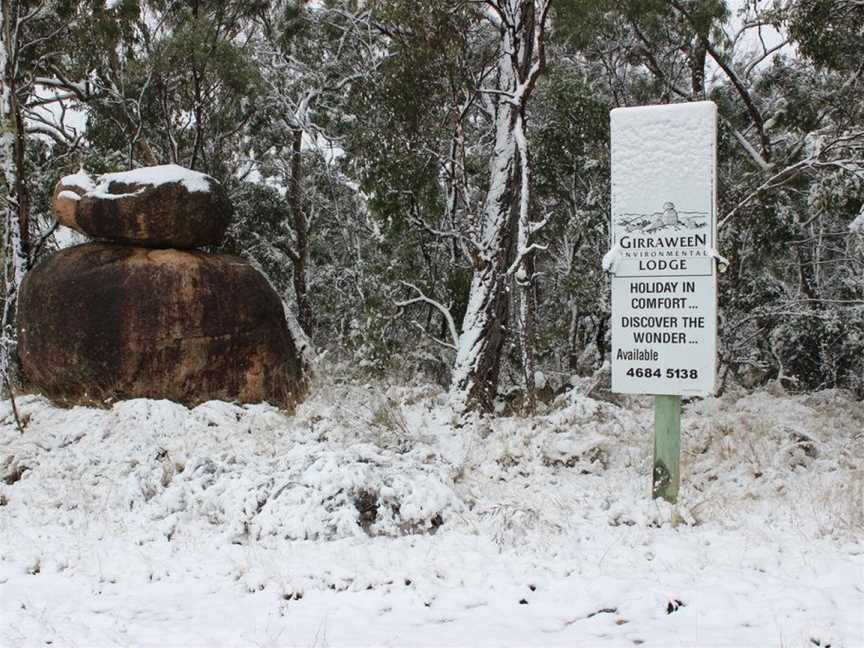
662 261
666 475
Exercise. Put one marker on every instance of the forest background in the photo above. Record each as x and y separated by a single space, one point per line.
426 183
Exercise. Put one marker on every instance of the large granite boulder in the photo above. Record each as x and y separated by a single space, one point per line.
102 321
162 206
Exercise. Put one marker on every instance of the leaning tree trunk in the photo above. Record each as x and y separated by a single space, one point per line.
475 374
521 24
13 174
300 254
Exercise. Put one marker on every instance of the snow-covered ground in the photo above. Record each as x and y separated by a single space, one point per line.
367 519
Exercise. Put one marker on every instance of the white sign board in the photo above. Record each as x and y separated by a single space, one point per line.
664 232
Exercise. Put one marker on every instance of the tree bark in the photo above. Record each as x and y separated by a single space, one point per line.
527 316
474 384
13 170
15 174
305 315
524 275
698 54
478 356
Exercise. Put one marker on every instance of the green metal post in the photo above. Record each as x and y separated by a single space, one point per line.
667 447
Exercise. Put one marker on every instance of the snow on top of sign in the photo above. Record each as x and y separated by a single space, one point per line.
667 166
647 114
154 176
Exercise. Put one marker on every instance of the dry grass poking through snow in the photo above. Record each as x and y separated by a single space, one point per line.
385 460
529 525
796 458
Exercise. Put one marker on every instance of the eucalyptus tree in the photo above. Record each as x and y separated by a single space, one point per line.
310 56
169 83
571 173
33 35
500 242
471 69
418 147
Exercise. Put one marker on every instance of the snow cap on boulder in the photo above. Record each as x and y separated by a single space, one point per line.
164 206
67 193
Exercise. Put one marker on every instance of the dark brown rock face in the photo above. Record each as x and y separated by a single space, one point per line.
103 321
164 206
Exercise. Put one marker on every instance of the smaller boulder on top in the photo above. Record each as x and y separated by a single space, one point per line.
164 206
67 193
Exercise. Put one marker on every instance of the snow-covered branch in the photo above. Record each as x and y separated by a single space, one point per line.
445 312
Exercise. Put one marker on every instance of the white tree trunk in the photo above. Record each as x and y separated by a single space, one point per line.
524 271
521 25
11 161
475 374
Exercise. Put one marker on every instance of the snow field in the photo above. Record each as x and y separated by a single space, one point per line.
368 519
